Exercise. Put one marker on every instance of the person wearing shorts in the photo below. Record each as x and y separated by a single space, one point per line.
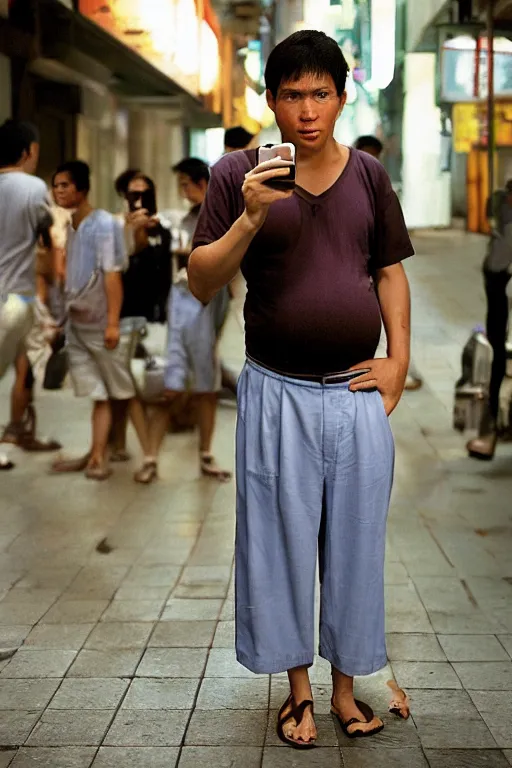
24 217
314 448
99 354
193 330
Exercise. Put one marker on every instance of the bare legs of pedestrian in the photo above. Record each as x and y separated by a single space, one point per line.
117 439
207 417
159 417
97 467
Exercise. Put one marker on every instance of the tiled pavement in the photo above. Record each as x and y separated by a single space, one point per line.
126 658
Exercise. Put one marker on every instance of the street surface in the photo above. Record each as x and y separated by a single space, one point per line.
126 658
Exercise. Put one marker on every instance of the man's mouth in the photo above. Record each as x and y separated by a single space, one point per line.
309 133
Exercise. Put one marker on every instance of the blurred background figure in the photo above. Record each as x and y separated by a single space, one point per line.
146 286
236 138
99 355
25 219
193 333
371 145
497 269
374 146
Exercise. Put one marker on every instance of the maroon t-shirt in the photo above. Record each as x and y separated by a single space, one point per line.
311 305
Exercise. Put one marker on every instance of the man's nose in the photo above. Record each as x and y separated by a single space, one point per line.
308 111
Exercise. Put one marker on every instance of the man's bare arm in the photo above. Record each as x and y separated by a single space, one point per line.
388 374
114 291
213 266
395 304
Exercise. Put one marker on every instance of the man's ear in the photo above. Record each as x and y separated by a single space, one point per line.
343 102
271 101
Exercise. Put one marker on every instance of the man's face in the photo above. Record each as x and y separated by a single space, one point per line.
137 187
65 192
189 190
306 110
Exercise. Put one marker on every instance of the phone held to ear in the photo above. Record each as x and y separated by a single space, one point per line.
285 152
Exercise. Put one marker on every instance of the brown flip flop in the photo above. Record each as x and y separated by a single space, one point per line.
296 713
358 733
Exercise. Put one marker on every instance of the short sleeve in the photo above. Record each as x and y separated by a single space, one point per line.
41 208
110 244
222 206
392 243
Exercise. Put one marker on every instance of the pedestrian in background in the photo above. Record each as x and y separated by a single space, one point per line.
315 451
99 356
193 330
497 271
25 217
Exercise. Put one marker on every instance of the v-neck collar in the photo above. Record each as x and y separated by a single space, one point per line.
309 197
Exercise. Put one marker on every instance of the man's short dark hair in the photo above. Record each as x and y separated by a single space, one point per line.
195 168
369 142
237 138
16 137
307 52
79 173
123 180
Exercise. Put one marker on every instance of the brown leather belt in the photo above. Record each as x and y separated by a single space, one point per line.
341 377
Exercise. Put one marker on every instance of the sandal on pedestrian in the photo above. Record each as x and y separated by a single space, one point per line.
97 472
120 456
62 465
210 469
357 733
147 473
5 464
296 713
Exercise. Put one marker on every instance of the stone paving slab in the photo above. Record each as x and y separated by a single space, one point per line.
54 757
136 757
127 659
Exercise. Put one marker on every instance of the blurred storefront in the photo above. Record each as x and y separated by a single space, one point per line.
448 54
119 83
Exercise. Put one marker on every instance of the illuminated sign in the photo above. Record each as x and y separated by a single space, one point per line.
167 33
459 74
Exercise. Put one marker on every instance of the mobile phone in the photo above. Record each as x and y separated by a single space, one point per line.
144 199
285 152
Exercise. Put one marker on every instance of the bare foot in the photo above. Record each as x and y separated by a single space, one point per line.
346 708
306 732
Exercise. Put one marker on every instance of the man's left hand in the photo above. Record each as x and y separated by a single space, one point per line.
387 375
111 337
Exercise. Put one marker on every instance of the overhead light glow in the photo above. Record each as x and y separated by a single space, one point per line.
383 43
209 62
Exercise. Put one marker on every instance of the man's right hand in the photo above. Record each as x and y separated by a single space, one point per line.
138 219
258 196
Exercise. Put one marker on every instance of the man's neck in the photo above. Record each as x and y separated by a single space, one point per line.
81 213
329 154
12 168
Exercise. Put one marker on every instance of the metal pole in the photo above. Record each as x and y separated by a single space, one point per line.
490 95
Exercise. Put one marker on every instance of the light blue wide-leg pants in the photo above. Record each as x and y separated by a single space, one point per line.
314 475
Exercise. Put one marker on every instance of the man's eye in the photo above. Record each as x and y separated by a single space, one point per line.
291 96
323 95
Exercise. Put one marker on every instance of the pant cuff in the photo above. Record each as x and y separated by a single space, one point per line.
353 667
274 666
